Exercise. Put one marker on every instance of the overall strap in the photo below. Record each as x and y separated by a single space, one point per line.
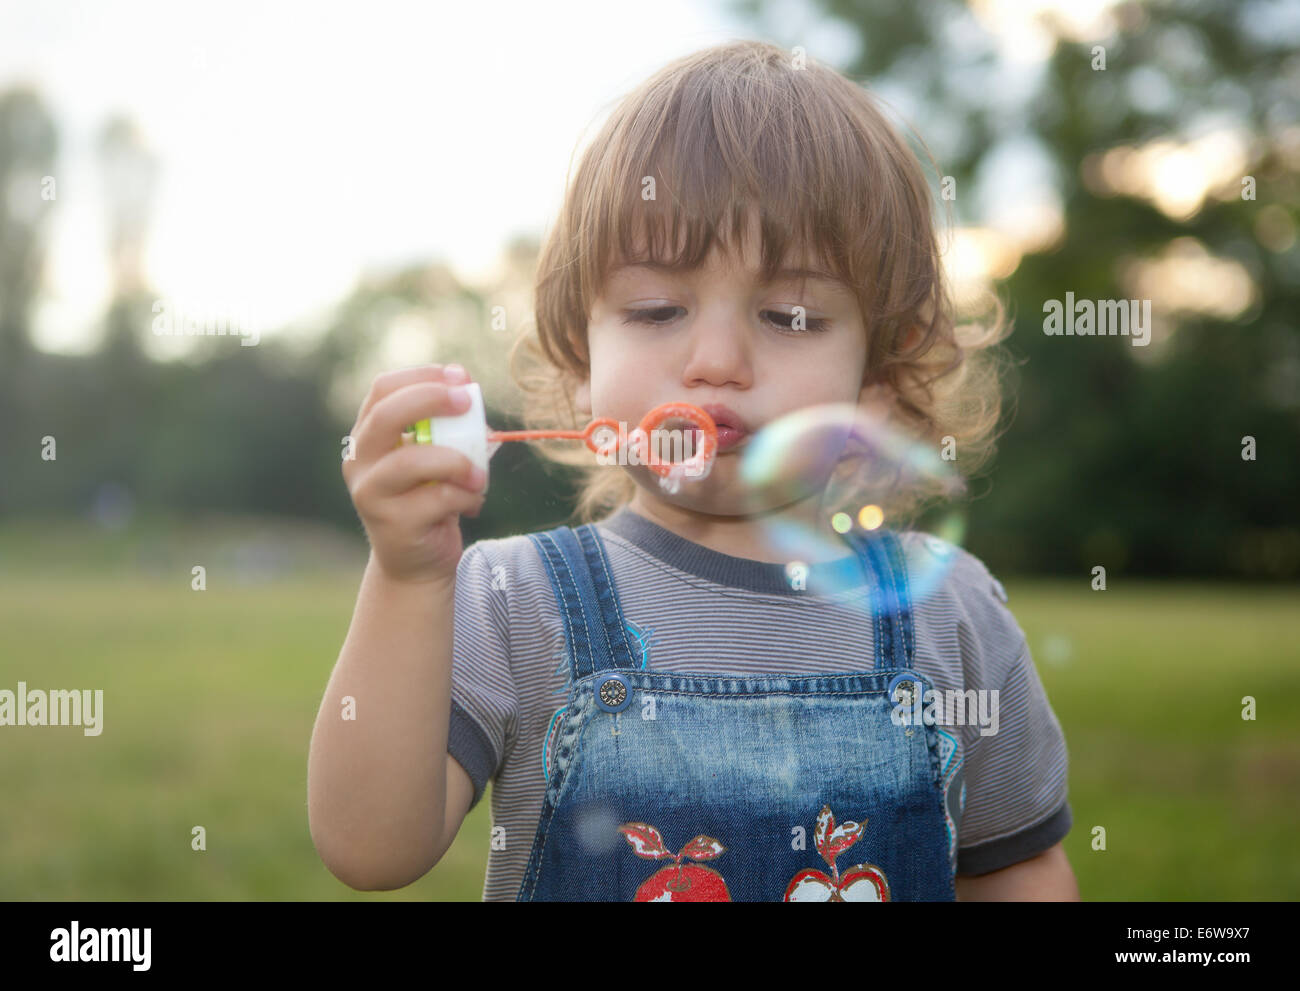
584 589
890 599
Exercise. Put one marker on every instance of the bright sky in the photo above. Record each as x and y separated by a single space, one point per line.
301 143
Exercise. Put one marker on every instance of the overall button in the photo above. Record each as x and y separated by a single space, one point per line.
905 690
612 693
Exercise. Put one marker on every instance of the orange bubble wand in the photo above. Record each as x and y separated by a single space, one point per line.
469 434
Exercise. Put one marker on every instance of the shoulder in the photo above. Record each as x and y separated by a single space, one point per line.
962 572
955 594
515 554
508 571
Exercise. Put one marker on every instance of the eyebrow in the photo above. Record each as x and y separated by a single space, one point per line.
781 274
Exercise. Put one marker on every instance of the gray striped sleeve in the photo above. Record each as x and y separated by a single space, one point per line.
1016 778
484 703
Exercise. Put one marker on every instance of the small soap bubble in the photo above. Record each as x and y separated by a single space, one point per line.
1057 649
597 830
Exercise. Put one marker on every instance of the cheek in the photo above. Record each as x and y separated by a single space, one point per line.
613 381
830 375
851 365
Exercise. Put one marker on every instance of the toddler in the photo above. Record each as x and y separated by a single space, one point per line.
665 714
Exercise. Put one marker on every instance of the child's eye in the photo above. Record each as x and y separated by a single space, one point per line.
810 325
663 314
647 316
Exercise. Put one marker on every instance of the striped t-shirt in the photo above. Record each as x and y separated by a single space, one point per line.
692 609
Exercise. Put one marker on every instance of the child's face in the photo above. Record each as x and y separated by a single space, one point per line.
715 335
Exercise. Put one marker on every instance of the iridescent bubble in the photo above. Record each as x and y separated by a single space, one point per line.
1057 650
597 830
826 478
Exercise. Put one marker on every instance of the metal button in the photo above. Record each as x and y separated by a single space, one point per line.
906 689
613 694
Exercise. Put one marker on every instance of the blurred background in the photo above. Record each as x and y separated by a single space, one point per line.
365 188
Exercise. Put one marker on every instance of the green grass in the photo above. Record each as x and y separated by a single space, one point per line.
1196 802
210 698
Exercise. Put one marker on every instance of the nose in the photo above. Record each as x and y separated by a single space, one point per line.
719 352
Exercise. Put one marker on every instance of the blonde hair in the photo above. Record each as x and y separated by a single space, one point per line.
734 128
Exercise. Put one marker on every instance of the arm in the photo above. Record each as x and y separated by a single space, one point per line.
1045 878
378 800
377 785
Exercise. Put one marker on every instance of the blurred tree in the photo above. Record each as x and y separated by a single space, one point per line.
130 178
129 172
1157 128
28 146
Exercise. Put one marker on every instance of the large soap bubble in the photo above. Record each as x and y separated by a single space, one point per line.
854 473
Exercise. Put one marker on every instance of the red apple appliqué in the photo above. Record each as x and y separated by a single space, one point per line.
860 883
680 882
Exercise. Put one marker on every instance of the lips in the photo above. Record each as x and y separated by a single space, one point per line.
725 416
732 429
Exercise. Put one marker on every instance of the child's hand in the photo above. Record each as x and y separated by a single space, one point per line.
407 495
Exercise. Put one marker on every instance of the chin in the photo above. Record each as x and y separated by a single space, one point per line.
710 496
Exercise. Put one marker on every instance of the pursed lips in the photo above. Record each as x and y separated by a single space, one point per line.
732 431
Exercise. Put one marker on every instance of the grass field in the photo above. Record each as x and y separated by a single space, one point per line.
210 699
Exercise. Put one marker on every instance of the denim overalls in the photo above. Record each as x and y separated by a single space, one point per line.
677 787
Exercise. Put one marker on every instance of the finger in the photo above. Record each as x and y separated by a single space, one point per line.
387 383
382 429
415 465
424 506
